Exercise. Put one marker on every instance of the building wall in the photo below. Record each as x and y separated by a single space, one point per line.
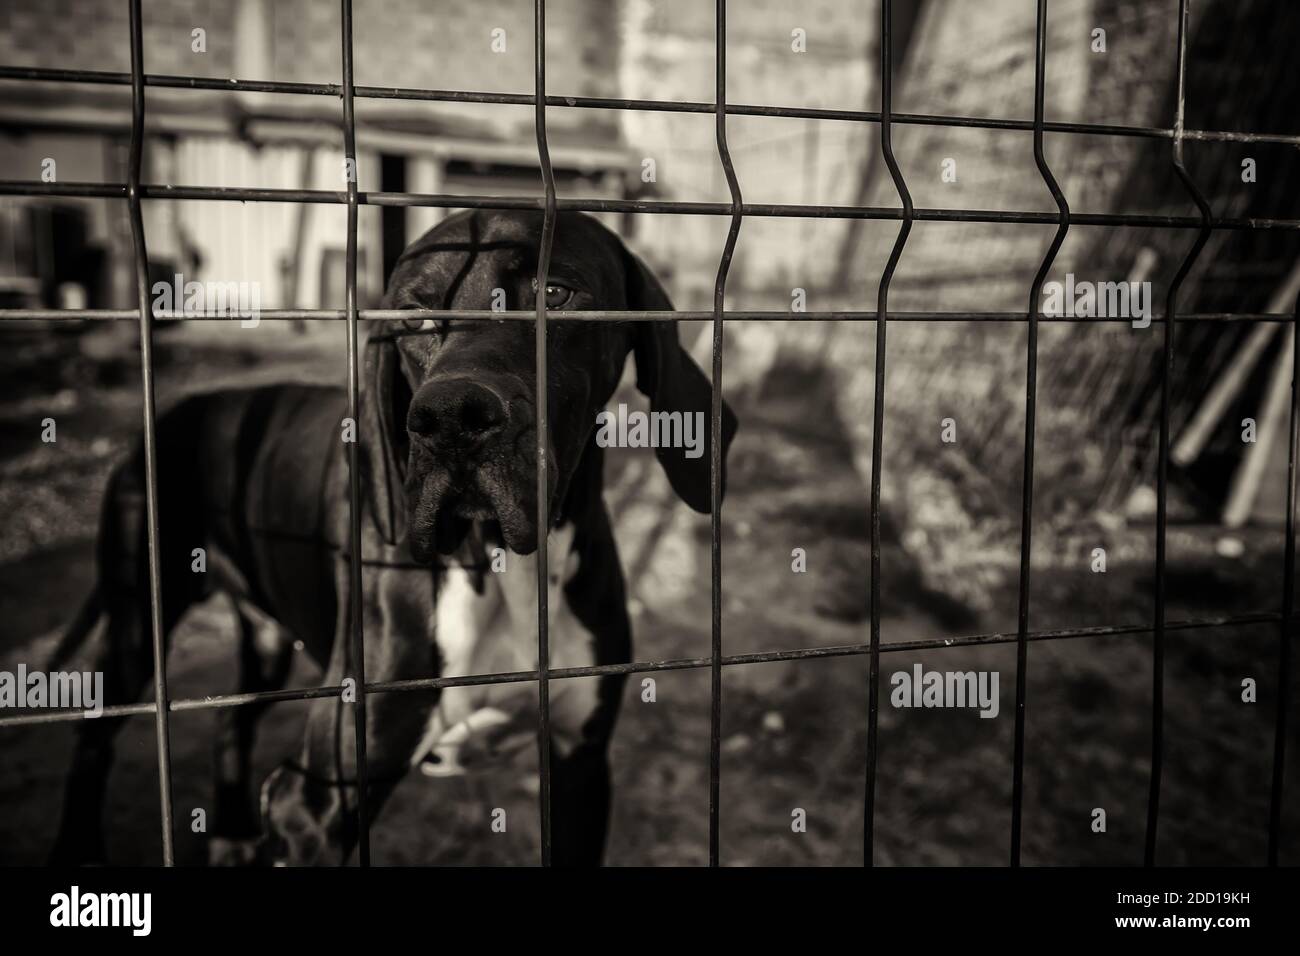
395 42
92 35
639 48
669 54
968 59
406 43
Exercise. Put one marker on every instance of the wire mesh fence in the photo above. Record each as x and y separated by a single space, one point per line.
134 191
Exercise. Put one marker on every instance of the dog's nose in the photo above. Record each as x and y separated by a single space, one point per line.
460 412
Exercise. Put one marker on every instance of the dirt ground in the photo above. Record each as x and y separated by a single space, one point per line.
793 733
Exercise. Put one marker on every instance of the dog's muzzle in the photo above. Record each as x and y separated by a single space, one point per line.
456 416
471 460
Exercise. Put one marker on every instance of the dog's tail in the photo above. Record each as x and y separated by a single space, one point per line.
92 608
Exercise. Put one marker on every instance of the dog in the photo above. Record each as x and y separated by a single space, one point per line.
258 479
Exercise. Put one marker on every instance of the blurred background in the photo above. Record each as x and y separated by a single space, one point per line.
794 733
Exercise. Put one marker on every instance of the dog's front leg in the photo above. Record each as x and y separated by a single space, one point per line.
311 809
589 625
265 657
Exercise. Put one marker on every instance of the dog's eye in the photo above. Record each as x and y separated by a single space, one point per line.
556 295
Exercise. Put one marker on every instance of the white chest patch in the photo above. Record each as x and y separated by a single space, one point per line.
495 631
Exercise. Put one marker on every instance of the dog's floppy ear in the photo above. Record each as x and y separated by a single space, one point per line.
385 398
669 377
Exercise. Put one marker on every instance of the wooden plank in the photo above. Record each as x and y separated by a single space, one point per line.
1270 426
1229 384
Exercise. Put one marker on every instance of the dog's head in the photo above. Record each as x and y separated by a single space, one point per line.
449 434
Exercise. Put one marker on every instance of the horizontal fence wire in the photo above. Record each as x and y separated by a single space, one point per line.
603 315
166 81
609 315
134 191
217 701
749 210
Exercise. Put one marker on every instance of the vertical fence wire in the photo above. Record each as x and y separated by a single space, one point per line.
356 635
1031 416
878 416
161 710
715 427
1162 460
543 483
1288 603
